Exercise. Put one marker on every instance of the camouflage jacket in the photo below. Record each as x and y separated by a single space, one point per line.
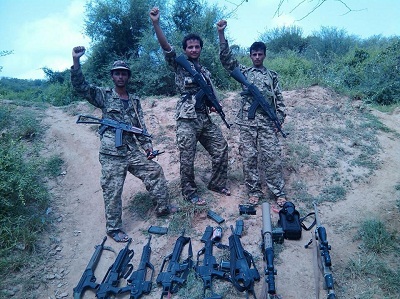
112 107
187 87
265 80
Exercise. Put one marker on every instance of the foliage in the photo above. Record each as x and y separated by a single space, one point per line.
282 39
376 237
121 29
23 196
4 53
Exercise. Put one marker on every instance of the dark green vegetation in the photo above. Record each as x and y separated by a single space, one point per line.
366 70
24 198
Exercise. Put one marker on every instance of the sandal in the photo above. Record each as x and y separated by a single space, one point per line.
118 236
198 201
280 201
253 200
222 190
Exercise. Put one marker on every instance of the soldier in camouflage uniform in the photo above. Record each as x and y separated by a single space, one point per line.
193 121
119 105
258 136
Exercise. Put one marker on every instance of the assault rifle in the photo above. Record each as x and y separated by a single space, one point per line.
268 252
105 123
259 100
176 273
88 280
324 259
210 267
120 268
137 284
242 275
206 89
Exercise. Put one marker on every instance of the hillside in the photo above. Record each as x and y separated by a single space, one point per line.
334 153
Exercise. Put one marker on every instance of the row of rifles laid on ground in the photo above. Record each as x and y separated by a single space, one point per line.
240 270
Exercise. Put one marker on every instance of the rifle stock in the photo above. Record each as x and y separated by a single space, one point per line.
88 280
205 88
259 100
243 271
209 268
120 268
137 283
176 273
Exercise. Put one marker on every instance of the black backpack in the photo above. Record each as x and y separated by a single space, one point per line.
291 222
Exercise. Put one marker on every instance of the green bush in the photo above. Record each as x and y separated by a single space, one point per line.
23 194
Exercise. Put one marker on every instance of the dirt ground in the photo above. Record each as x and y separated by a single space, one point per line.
79 211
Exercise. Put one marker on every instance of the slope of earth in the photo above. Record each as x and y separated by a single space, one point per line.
325 160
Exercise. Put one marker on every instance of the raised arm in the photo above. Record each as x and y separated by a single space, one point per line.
155 18
228 60
221 25
77 53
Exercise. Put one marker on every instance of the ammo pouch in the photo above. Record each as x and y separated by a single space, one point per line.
291 223
289 220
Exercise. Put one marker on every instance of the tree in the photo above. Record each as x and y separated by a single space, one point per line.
284 38
115 28
4 53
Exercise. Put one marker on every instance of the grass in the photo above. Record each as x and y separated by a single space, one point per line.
376 237
24 197
377 262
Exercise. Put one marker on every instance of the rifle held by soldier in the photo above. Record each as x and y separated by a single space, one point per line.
88 280
259 100
206 89
106 123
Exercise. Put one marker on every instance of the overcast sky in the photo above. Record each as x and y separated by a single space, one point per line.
42 33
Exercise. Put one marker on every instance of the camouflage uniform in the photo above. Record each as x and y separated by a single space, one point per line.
194 124
117 161
257 136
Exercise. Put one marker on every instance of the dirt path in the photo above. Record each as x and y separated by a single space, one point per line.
78 206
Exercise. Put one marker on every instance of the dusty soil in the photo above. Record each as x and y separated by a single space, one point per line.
79 211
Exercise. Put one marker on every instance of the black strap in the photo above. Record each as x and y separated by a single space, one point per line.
311 225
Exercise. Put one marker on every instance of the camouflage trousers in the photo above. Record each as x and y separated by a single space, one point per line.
113 174
188 132
260 144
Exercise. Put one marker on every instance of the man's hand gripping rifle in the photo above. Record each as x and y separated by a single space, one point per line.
206 89
259 100
322 248
176 273
106 123
209 267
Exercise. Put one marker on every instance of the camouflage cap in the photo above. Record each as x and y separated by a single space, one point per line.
120 65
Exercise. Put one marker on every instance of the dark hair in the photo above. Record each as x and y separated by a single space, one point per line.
257 46
189 37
